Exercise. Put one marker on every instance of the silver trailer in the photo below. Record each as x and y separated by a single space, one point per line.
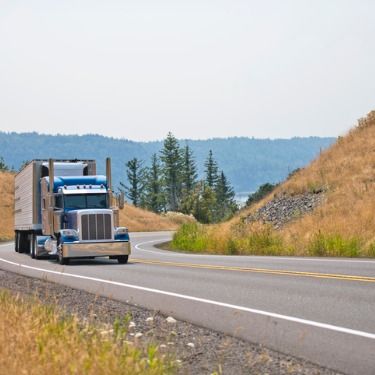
63 209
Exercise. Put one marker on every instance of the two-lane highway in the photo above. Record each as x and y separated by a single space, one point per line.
320 309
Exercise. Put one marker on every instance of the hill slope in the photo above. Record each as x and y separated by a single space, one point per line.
342 223
6 205
264 160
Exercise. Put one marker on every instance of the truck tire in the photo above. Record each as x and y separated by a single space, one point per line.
34 245
60 258
23 242
16 241
123 259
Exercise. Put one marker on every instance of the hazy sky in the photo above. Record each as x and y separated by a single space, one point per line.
201 69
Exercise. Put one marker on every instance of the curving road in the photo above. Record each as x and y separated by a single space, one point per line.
319 309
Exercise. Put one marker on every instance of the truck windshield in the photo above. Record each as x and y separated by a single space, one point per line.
83 201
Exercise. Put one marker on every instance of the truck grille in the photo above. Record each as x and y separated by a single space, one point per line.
96 227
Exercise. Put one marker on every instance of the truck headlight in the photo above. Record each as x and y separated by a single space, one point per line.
68 235
121 230
121 233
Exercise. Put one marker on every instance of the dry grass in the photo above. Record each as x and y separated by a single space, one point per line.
347 172
6 206
138 220
37 339
343 225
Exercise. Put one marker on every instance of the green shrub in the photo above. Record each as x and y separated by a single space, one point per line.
190 237
265 241
262 191
334 245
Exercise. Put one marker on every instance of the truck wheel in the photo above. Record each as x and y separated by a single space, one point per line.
123 259
62 260
23 243
34 246
17 241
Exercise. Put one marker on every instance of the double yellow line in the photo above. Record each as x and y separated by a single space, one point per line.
366 279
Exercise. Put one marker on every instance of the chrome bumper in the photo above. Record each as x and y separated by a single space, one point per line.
95 249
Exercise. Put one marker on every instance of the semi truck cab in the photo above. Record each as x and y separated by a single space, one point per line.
74 212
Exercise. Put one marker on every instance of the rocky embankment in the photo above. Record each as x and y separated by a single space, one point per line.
282 209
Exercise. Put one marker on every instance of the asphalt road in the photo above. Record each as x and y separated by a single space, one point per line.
319 309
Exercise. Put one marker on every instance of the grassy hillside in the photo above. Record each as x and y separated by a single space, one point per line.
342 225
134 218
138 220
6 205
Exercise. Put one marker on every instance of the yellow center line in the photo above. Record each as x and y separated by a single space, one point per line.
258 270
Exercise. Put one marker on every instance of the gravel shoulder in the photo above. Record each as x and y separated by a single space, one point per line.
197 349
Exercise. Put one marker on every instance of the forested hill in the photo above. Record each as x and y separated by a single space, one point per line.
247 162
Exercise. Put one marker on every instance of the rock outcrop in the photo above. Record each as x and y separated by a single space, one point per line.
283 209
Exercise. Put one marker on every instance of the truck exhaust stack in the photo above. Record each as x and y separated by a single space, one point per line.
108 173
51 204
51 175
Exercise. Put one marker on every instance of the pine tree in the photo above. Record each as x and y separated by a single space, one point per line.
211 170
204 203
136 175
225 203
189 181
224 191
154 197
3 166
189 170
170 155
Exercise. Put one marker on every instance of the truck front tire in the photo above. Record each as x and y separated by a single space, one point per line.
34 246
60 258
123 259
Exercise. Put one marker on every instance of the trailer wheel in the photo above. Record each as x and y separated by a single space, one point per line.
123 259
23 242
16 241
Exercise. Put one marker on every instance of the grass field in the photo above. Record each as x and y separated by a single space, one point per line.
38 339
344 225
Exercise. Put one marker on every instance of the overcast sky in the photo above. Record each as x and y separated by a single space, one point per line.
201 69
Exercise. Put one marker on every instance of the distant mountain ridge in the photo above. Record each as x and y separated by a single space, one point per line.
247 162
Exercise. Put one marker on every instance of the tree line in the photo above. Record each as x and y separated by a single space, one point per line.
171 183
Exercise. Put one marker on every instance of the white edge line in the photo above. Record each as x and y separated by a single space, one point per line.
207 301
167 252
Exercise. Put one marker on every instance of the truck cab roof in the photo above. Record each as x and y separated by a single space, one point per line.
79 182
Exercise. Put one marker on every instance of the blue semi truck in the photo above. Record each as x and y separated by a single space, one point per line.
64 209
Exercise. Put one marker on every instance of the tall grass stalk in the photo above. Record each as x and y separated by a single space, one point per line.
36 339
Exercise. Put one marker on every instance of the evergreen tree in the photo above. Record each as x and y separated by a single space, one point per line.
262 191
211 170
170 155
204 203
189 180
135 174
189 170
3 166
225 203
154 197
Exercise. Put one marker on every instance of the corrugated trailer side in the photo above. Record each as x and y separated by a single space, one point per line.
27 218
26 202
